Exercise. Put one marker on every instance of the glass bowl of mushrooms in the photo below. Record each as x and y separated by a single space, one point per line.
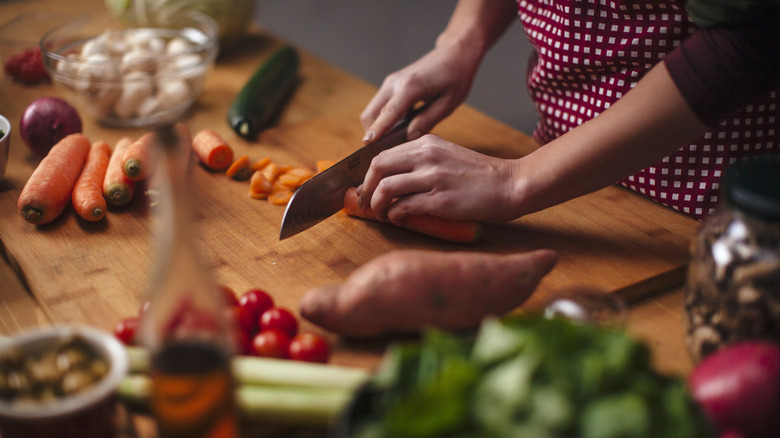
60 381
126 76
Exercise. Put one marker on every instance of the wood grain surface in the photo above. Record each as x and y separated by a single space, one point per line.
96 273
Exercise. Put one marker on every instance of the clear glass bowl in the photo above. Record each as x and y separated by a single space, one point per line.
131 77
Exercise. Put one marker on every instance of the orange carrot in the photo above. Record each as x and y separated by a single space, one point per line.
49 188
117 188
271 171
444 229
212 150
241 169
138 162
261 163
324 164
259 186
295 176
87 197
280 197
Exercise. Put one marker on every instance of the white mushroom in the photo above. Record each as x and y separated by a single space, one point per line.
139 60
148 107
94 46
178 45
94 80
137 87
173 93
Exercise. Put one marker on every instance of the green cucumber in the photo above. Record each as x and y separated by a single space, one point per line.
265 93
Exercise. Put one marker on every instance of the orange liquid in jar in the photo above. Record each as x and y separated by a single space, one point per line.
192 392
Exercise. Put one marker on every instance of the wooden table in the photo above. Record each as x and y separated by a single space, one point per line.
73 271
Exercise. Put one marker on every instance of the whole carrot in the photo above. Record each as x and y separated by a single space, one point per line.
87 197
444 229
138 160
49 188
117 188
212 150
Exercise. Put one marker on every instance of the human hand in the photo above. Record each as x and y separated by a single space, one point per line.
433 176
442 79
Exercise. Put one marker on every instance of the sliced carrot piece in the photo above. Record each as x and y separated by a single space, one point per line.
212 150
260 184
240 170
280 197
271 171
261 163
324 164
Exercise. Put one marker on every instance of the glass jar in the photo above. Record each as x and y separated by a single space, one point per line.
733 286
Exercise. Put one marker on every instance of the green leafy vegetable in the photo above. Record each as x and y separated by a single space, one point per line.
527 376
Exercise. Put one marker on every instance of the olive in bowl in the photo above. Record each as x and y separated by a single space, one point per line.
60 382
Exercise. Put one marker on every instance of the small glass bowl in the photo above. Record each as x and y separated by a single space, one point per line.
131 77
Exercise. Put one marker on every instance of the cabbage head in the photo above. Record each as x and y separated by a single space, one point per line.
232 16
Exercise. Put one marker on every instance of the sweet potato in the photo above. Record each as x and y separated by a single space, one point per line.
409 290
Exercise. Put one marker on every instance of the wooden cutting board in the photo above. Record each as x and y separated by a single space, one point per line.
96 273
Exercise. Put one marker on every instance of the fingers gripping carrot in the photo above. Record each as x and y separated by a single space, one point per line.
49 188
117 188
212 150
87 197
445 229
138 162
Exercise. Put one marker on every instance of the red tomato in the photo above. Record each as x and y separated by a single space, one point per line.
245 320
125 330
271 343
279 318
230 296
253 303
309 347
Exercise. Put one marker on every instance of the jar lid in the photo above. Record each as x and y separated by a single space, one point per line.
753 185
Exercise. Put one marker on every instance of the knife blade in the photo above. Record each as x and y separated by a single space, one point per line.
323 195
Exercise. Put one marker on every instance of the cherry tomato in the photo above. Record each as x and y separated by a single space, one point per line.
279 318
253 303
309 347
271 343
230 296
125 330
245 320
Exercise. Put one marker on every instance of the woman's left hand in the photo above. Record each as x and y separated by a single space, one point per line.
433 176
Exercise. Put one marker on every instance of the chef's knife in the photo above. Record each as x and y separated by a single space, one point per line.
323 195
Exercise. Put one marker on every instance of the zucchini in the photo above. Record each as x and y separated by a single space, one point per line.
265 93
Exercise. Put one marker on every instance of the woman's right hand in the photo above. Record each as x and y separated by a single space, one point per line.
442 79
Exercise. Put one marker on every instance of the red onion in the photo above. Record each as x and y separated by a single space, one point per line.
46 121
739 389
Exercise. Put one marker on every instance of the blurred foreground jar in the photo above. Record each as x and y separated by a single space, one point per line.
733 287
186 327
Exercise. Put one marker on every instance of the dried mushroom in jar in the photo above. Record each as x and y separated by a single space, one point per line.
733 287
68 367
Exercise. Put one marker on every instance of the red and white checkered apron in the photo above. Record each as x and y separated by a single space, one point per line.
591 52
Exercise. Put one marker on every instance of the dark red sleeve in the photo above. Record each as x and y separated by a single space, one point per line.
721 69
